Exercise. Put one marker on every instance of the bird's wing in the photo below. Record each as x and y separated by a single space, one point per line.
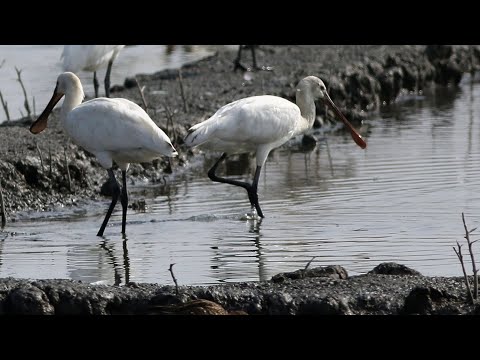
104 124
256 119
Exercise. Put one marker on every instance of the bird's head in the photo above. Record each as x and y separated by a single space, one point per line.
318 90
65 82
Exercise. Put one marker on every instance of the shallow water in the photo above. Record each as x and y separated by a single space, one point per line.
399 200
41 64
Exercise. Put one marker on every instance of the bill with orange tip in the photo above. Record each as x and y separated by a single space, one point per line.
355 135
41 123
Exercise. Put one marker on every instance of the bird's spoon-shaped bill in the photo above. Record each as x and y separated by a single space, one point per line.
355 135
41 123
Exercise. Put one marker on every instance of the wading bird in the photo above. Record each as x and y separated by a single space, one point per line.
114 130
260 124
91 58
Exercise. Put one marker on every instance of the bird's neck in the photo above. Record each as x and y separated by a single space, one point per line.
306 103
71 100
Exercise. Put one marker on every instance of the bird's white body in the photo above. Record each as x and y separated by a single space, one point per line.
111 129
116 129
88 57
253 124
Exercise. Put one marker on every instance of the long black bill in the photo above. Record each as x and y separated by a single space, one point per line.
41 123
355 135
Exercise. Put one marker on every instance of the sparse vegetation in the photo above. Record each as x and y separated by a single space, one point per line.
25 103
473 296
2 207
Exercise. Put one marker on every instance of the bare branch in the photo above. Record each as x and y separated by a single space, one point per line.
472 258
25 103
2 207
182 92
467 283
169 116
40 155
140 90
173 277
50 160
5 106
68 170
308 264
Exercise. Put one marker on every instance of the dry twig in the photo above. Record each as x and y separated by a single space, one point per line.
2 207
5 106
472 259
140 90
182 92
173 277
68 170
25 103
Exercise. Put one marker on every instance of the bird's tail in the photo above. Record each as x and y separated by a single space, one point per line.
197 135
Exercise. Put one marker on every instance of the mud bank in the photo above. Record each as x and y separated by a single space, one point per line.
389 289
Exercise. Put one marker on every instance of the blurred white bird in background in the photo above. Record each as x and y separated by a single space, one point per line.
91 58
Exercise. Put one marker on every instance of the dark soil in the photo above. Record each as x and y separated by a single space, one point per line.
360 78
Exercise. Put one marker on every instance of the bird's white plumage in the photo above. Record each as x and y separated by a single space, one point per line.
112 129
88 57
116 129
246 124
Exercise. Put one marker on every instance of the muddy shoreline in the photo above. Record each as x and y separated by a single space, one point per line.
34 177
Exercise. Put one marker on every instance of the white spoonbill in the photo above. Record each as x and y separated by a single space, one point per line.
91 58
260 124
114 130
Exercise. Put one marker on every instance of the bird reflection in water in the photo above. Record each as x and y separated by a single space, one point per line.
117 266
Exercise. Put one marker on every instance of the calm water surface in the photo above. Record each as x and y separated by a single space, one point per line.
399 200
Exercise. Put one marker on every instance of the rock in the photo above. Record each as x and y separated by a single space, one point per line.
391 268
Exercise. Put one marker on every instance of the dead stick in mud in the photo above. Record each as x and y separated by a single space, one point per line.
2 207
25 103
308 264
68 170
460 257
182 92
50 160
169 116
173 277
140 90
40 155
5 106
472 258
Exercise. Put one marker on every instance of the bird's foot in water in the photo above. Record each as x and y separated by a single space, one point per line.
252 215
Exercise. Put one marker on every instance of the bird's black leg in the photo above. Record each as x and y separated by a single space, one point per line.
251 188
107 79
115 195
254 60
252 192
95 83
124 200
236 62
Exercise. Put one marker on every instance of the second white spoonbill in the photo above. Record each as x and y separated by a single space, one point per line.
114 130
91 58
260 124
